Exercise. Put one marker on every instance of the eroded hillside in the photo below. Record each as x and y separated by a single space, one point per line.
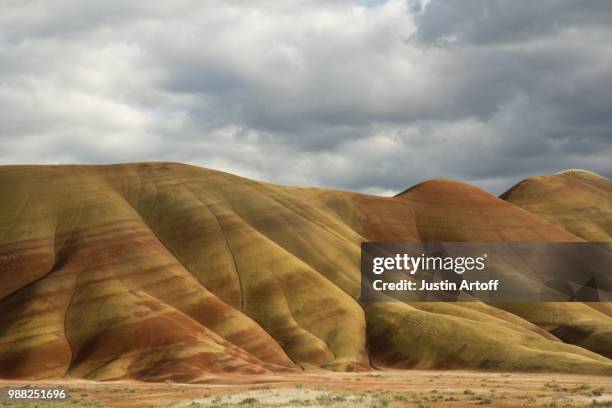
167 271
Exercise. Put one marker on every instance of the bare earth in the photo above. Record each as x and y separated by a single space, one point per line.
355 390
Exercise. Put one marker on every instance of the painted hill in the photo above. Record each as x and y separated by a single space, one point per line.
161 271
577 200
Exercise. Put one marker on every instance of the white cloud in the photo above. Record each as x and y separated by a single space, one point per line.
358 95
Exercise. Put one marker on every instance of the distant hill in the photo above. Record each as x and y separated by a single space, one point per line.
165 271
579 201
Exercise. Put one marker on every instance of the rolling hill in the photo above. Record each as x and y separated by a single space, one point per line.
580 202
165 271
577 200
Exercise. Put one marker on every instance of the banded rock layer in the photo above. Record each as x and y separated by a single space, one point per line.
164 271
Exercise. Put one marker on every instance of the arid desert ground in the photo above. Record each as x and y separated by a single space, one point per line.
415 388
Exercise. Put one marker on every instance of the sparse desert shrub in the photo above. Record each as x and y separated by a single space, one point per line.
324 399
482 399
261 387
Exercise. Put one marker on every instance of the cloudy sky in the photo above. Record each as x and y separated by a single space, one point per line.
367 95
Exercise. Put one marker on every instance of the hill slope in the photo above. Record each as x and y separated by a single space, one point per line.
577 200
580 202
167 271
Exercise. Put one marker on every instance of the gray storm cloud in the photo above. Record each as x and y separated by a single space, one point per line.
371 96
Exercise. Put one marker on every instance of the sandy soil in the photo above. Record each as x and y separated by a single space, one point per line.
325 389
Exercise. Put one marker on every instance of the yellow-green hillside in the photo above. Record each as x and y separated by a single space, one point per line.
164 271
581 202
577 200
